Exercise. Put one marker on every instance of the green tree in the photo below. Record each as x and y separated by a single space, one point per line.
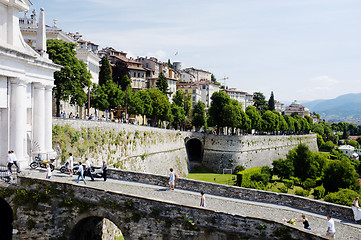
271 102
99 97
268 121
178 115
290 122
73 77
187 104
162 83
170 65
283 168
121 75
340 174
255 118
216 110
232 115
178 98
213 78
199 115
259 102
301 158
161 106
105 72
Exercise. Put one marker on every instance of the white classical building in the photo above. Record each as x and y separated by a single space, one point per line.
26 82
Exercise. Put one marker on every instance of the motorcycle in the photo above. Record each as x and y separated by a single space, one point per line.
38 162
96 171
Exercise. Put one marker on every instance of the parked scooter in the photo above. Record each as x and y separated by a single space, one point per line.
38 162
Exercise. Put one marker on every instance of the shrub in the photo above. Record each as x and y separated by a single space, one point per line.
342 197
283 168
309 183
254 185
244 176
319 192
288 183
296 181
260 177
283 189
302 192
239 168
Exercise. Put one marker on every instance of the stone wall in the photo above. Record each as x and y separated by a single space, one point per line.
56 210
239 192
127 146
251 151
155 150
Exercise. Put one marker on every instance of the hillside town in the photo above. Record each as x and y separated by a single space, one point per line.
144 72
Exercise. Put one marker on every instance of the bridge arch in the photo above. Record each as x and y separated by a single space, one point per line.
6 220
195 149
94 227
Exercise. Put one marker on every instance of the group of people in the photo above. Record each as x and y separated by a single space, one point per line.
87 171
12 160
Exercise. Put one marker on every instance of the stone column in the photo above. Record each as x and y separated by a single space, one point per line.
48 119
39 118
18 119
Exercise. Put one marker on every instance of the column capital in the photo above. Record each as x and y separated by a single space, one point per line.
38 85
18 81
49 87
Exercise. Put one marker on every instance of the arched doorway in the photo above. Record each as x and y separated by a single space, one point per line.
96 228
195 152
6 220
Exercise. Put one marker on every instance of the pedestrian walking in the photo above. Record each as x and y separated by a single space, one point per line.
305 222
15 161
70 162
10 162
88 169
48 171
330 227
171 179
105 169
356 210
81 173
203 200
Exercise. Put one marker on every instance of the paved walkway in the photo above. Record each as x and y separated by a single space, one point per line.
345 230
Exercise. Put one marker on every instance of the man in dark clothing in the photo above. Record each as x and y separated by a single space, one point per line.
105 169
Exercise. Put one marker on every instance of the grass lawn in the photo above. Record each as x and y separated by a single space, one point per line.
227 179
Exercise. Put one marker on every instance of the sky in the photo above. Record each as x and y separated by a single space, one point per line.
300 49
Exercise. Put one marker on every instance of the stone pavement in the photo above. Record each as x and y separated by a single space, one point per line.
345 230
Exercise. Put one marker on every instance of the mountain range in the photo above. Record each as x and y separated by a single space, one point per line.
345 108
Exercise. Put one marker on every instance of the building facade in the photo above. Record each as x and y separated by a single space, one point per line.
244 98
296 107
26 82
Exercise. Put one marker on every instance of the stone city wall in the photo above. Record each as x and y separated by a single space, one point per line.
155 150
126 146
250 151
239 192
57 210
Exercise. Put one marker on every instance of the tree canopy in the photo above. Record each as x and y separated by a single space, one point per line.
73 77
162 83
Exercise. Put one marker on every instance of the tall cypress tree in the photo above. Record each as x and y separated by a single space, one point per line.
105 73
162 83
271 102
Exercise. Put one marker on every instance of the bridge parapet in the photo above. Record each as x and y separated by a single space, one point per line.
239 192
59 207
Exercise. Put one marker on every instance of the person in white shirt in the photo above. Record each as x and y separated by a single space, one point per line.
15 161
171 179
330 227
88 169
10 162
81 173
48 171
70 162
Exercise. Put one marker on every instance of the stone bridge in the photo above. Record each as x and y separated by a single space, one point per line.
141 207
